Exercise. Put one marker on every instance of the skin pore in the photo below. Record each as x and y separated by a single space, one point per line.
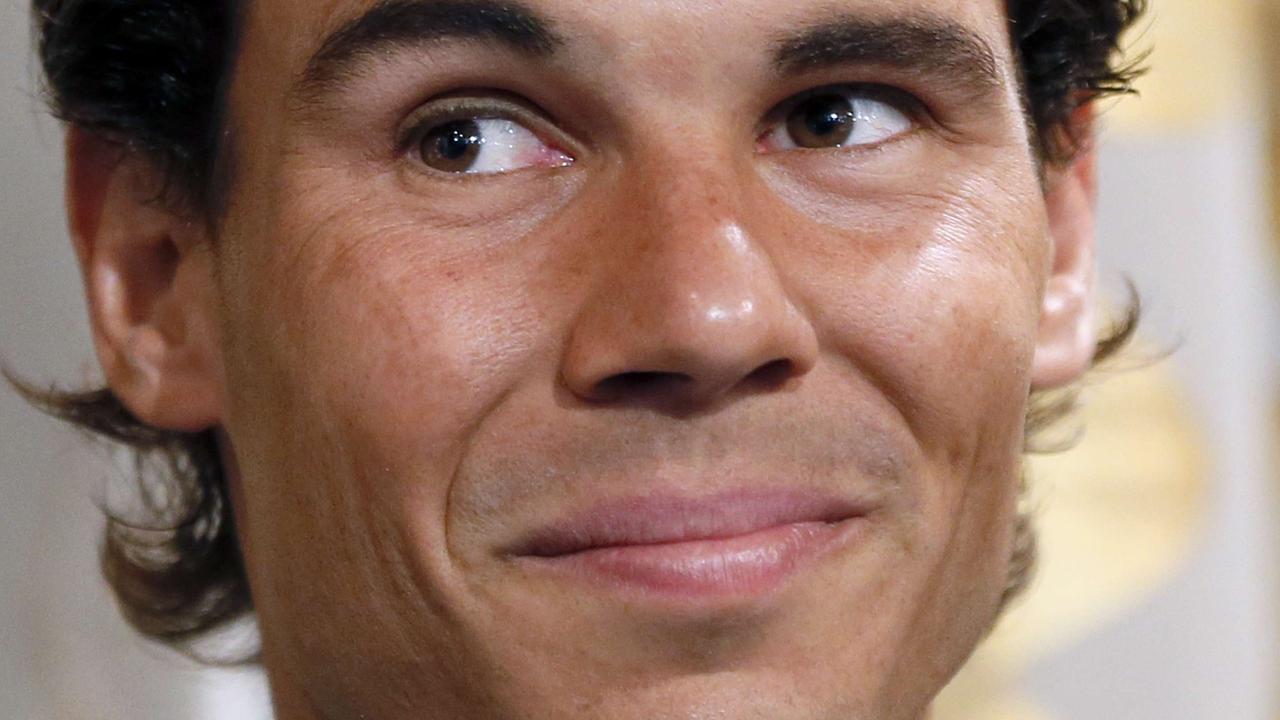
488 268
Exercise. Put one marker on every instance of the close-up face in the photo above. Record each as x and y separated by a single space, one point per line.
628 360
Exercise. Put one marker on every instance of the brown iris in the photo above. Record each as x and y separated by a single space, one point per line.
822 121
452 147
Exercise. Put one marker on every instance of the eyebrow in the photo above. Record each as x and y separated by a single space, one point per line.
930 45
391 24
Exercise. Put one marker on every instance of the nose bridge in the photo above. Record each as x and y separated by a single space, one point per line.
692 305
691 213
696 267
690 220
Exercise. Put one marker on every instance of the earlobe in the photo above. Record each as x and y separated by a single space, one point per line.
147 275
1067 338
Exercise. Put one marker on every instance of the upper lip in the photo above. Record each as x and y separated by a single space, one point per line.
669 518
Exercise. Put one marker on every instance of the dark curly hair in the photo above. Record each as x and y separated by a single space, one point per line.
151 75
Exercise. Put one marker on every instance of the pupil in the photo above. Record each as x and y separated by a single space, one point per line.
453 147
457 139
825 121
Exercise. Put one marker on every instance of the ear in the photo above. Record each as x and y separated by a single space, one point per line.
1067 338
147 271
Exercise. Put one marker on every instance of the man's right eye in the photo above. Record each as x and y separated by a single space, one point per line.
484 146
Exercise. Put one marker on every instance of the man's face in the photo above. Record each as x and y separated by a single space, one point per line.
614 359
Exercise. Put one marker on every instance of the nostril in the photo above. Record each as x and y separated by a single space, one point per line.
770 375
632 384
655 385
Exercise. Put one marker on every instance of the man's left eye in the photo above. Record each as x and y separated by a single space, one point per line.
836 118
485 146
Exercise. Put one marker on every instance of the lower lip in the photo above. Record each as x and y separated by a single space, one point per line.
743 566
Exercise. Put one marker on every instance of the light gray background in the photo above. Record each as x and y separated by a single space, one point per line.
1183 215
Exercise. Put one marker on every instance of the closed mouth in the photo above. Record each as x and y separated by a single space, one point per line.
732 544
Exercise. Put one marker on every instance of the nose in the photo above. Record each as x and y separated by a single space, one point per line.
691 310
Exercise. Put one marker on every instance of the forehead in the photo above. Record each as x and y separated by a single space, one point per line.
283 36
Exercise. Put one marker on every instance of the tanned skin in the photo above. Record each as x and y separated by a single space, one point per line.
662 278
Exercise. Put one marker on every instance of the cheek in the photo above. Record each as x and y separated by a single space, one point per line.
362 360
936 299
361 363
937 303
384 324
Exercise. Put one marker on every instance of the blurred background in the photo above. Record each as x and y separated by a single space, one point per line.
1157 597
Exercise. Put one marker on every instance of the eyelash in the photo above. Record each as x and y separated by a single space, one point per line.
900 100
484 104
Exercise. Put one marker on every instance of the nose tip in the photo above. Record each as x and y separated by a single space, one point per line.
684 338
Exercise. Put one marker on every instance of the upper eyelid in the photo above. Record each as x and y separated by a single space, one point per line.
442 110
901 100
945 111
